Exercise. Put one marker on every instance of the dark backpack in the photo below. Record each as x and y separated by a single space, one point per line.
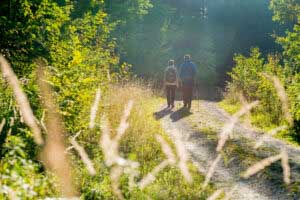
187 73
171 75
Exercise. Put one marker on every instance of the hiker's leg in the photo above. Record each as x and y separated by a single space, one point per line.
173 95
168 91
190 96
184 95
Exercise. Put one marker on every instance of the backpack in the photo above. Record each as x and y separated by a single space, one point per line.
187 73
171 76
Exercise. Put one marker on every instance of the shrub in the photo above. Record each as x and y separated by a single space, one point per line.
251 78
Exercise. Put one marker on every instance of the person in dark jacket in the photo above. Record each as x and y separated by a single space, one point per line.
187 73
171 82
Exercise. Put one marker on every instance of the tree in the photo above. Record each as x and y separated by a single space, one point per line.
288 11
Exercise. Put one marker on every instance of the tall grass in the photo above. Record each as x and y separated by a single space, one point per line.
53 153
229 126
135 154
21 100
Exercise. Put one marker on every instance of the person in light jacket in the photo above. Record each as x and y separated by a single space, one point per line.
171 82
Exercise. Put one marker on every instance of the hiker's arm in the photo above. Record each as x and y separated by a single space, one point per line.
194 70
165 78
178 81
179 75
179 71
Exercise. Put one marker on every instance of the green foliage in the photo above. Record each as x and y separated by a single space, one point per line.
174 28
81 62
247 75
29 28
291 46
285 10
246 72
80 56
288 11
20 176
249 80
128 9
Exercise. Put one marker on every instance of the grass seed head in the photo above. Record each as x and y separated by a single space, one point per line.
211 171
53 153
285 166
94 109
21 100
84 157
229 126
261 165
216 194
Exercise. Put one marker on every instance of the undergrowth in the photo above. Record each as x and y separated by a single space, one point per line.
139 145
23 174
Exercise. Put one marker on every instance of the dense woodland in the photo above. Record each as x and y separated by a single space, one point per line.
86 45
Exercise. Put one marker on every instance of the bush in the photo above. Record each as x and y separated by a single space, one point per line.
249 79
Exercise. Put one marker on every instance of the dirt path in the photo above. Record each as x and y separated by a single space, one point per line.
198 131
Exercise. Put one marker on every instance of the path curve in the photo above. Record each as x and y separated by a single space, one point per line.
202 151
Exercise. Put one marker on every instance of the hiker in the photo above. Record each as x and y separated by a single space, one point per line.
171 82
187 72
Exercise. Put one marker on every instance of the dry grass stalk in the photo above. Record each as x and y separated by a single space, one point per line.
183 158
11 121
2 124
124 124
69 149
42 122
228 127
171 160
166 149
84 157
21 100
132 174
200 168
12 195
216 194
211 171
9 131
110 145
150 177
283 97
94 109
106 143
272 132
244 102
285 166
115 174
53 153
261 165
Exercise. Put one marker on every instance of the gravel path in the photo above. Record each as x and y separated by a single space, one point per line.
227 176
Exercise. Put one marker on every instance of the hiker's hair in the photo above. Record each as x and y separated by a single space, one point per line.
187 57
171 62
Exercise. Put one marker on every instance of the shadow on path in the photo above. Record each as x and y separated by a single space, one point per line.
180 114
162 113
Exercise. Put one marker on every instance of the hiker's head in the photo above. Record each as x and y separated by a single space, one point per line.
171 62
187 57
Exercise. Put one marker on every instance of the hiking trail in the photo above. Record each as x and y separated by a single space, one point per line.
199 130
